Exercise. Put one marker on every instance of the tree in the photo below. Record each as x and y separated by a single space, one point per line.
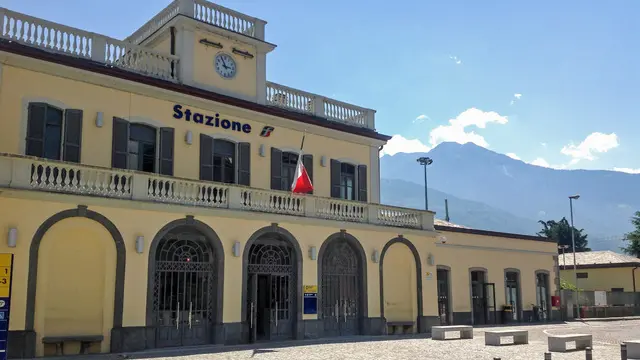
633 238
560 231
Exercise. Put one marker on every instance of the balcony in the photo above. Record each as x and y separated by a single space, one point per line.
28 173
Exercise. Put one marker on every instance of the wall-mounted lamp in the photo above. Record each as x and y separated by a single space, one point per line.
323 161
140 244
188 137
236 249
375 256
99 119
12 237
430 259
261 150
245 54
313 253
206 42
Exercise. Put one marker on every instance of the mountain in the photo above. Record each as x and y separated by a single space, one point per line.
463 212
608 199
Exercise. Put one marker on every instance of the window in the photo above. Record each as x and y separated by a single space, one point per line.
283 168
53 133
617 289
348 181
135 146
583 275
224 161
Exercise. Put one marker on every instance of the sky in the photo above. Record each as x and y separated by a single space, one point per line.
553 83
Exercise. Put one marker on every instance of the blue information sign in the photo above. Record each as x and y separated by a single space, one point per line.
6 270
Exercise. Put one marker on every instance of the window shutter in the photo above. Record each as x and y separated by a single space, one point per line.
35 129
335 178
276 169
362 183
244 163
307 161
72 135
166 150
120 144
206 157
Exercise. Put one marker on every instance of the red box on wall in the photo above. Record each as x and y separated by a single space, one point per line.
555 301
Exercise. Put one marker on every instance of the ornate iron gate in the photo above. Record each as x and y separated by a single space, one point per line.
271 283
443 296
340 290
184 283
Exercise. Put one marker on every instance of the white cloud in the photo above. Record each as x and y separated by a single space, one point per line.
455 59
540 162
456 130
594 143
513 156
400 144
627 170
543 144
422 118
516 97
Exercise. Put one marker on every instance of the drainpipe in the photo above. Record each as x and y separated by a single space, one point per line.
633 277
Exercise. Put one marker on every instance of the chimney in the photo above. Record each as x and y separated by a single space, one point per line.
446 210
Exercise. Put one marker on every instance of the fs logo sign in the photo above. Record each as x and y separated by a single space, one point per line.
266 131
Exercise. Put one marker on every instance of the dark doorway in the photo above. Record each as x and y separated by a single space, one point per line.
542 296
183 290
271 301
482 298
341 290
512 289
443 296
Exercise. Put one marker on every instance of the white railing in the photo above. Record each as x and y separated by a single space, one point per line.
304 102
24 172
61 39
206 12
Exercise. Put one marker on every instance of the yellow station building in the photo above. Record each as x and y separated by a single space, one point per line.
601 271
144 194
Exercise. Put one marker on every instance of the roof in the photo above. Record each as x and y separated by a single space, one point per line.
597 259
439 222
442 225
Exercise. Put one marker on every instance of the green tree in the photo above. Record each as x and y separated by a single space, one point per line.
560 231
633 238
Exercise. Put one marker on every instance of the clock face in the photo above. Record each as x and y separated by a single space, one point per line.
225 66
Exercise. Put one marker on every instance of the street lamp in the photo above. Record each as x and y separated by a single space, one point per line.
425 161
573 244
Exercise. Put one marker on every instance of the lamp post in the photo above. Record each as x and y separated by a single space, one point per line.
425 161
563 248
573 244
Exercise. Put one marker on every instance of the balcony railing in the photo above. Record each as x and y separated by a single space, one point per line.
23 172
206 12
61 39
308 103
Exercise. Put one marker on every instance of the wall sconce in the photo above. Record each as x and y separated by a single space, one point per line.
313 253
99 119
323 161
430 260
236 249
242 53
261 150
140 244
188 137
375 256
12 237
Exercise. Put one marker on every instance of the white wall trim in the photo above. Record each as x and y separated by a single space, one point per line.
349 161
147 121
219 136
374 174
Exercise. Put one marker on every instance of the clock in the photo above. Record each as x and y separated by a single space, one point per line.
225 65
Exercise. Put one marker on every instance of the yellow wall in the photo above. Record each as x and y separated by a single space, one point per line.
22 86
399 284
604 279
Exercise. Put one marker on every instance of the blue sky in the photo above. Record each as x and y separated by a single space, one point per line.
550 82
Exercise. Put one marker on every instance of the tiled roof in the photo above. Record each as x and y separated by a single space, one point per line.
596 258
446 223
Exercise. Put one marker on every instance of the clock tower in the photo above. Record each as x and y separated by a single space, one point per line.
220 50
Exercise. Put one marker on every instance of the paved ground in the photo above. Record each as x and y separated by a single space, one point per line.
607 337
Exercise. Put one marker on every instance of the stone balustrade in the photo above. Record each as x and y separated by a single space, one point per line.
29 173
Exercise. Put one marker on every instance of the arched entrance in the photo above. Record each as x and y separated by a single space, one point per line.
185 279
271 260
342 285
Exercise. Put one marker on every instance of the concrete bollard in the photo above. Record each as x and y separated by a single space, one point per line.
547 356
588 354
623 351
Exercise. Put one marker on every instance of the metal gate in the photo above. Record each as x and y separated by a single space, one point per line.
443 296
340 290
183 288
271 304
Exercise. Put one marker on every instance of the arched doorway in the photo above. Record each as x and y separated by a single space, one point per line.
342 285
272 285
185 279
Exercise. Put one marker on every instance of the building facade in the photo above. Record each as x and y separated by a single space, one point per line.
601 271
144 191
